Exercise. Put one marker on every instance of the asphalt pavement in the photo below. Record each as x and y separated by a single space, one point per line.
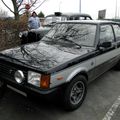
102 103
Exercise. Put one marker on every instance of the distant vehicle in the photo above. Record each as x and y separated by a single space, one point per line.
65 60
50 20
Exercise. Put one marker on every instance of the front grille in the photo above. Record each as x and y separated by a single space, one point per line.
7 70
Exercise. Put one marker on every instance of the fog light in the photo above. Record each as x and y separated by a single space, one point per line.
19 76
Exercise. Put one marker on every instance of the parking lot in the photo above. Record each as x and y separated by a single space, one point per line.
102 103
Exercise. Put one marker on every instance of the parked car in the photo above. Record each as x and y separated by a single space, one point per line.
50 20
68 57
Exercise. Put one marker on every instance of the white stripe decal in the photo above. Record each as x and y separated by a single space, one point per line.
112 110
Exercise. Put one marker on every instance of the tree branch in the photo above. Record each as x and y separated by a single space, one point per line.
21 9
7 6
39 5
33 3
20 4
30 6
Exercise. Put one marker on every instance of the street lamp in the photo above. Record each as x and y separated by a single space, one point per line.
80 6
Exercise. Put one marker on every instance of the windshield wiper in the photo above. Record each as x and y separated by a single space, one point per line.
58 37
49 37
65 38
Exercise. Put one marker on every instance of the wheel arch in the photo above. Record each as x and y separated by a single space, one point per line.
77 73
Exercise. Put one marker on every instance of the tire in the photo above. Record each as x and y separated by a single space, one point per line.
117 66
2 88
75 93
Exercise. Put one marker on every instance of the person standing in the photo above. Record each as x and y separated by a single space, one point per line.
34 21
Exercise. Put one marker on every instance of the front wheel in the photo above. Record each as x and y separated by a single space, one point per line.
117 66
75 93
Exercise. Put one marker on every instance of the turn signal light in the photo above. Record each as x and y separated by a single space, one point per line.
59 78
45 81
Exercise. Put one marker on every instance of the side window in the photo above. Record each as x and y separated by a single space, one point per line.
106 33
117 32
88 18
81 18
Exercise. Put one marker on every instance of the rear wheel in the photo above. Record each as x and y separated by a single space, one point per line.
75 93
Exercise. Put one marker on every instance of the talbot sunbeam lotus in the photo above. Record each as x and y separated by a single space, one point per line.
69 56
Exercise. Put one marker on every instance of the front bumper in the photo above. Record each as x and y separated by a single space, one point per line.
27 88
7 72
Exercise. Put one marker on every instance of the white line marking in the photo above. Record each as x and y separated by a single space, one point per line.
112 110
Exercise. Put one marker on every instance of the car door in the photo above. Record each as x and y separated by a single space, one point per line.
116 28
105 58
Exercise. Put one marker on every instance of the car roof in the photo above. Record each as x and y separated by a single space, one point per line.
114 19
90 21
70 15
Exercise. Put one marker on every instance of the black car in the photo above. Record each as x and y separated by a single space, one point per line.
66 59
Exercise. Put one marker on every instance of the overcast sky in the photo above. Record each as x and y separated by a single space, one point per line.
87 6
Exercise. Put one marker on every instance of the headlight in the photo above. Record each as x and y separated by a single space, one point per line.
39 80
34 78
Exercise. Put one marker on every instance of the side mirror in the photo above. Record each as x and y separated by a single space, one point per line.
105 45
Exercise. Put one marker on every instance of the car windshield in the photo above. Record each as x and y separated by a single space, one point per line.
54 19
72 33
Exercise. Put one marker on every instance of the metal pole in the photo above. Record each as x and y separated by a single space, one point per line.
116 10
80 6
60 5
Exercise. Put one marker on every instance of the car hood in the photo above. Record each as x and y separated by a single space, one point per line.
44 57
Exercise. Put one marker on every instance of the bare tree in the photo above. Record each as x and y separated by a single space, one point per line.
21 6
